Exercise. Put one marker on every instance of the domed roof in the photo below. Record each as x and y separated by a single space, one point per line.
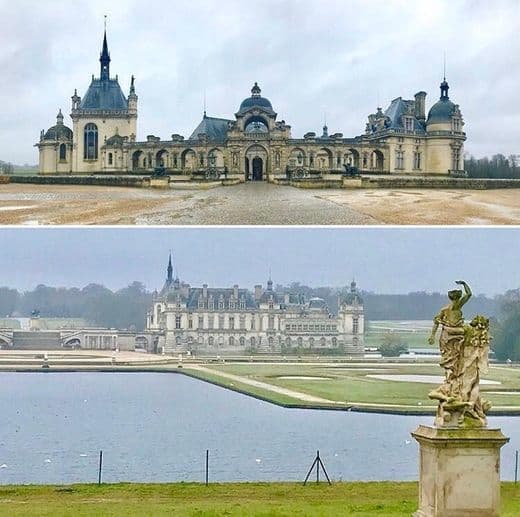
256 100
60 131
441 111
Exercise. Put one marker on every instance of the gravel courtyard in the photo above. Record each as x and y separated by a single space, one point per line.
253 203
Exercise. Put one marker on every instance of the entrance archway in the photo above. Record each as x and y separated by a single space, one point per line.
256 163
136 160
257 169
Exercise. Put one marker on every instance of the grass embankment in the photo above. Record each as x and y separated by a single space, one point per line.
233 499
350 385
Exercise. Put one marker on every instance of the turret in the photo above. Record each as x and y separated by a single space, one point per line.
132 98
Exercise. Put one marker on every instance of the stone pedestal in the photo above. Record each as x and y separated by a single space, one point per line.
459 471
160 182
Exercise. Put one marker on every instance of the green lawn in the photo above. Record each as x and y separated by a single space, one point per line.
414 334
233 499
349 383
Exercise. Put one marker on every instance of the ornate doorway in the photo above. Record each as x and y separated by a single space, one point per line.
256 163
257 173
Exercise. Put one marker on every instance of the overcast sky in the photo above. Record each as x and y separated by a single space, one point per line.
384 260
340 58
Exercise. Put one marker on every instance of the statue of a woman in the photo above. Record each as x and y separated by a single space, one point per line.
464 352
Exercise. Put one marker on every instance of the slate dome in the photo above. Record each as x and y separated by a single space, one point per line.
441 111
58 132
256 100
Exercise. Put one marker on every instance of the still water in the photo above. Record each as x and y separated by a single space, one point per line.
157 427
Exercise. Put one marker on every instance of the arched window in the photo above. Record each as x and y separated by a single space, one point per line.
63 152
90 151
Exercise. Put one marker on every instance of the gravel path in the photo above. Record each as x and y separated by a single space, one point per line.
249 204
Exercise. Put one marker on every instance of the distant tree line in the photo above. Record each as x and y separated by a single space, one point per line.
98 305
127 307
413 306
498 166
506 329
6 168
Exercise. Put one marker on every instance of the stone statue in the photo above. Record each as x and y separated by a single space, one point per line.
464 355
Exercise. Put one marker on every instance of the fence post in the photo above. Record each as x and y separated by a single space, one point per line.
100 466
516 466
207 467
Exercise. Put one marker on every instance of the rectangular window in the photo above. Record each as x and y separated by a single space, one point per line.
211 322
178 321
399 159
355 325
271 323
190 322
408 124
242 322
221 321
417 160
201 322
232 322
456 125
456 159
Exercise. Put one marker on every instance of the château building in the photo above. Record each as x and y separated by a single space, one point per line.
238 320
252 145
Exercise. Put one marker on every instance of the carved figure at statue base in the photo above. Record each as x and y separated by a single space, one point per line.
464 356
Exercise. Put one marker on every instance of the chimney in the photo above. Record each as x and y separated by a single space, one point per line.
286 298
420 105
235 291
205 290
258 292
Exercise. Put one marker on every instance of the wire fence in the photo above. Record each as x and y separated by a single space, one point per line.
211 467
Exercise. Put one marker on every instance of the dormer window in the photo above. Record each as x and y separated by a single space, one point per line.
456 124
408 123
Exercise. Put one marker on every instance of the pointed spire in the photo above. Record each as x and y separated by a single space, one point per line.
170 269
104 58
59 117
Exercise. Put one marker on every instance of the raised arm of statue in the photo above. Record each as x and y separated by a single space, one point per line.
466 296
